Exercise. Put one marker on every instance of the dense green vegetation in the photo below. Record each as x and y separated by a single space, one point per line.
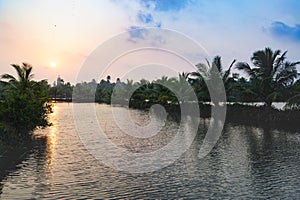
23 103
272 76
271 79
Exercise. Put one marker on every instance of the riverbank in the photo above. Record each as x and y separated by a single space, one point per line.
260 116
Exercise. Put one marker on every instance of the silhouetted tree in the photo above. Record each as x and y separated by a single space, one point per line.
23 102
271 73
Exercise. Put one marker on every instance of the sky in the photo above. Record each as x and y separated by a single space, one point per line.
57 37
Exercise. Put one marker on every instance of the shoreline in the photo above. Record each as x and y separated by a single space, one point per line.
239 114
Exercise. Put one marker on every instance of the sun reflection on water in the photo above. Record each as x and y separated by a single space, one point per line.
48 137
51 140
51 137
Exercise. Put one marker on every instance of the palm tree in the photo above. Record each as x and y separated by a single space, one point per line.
206 70
182 88
146 91
210 72
164 86
271 73
294 96
121 94
24 102
24 77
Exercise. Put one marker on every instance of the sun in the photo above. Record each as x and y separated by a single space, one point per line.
53 64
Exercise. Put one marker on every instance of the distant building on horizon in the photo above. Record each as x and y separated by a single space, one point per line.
59 81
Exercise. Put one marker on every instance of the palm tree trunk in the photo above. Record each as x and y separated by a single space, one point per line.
268 102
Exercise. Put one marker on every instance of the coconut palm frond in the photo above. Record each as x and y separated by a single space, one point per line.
23 79
294 63
227 72
259 58
9 77
203 70
218 63
20 72
243 66
27 68
279 61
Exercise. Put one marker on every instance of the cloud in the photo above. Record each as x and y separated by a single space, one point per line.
145 18
165 5
137 32
280 29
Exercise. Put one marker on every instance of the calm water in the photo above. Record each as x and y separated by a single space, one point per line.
246 162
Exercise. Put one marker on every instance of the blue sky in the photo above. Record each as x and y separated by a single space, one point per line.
66 32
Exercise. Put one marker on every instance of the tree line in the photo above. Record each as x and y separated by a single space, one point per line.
271 78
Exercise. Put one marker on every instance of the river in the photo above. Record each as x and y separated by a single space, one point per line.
246 162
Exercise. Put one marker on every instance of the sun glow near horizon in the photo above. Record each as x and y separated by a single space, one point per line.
53 64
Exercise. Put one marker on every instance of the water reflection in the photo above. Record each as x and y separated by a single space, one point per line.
47 138
272 162
39 154
247 162
50 137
